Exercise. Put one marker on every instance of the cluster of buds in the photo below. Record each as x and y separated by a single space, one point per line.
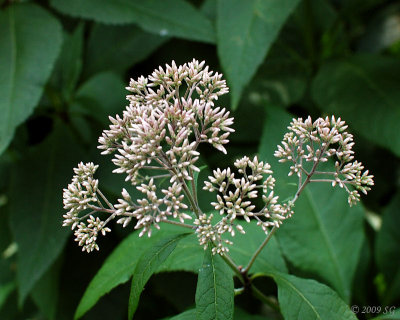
310 143
169 114
80 196
235 198
152 209
155 142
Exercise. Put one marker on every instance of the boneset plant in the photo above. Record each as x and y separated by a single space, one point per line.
155 145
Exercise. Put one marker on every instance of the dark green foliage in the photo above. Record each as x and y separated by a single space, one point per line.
63 69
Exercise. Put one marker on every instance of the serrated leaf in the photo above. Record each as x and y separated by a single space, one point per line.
246 30
375 112
30 42
132 44
36 221
308 299
119 266
148 263
387 247
175 18
214 293
324 237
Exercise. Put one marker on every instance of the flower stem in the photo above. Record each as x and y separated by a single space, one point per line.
176 223
105 199
267 300
300 189
259 249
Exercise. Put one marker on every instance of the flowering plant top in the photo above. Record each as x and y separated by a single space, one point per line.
170 113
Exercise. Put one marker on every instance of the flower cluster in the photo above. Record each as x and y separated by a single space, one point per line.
80 196
155 141
316 142
169 114
235 197
152 209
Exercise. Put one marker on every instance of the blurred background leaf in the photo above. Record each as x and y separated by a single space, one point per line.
29 48
245 31
63 69
36 219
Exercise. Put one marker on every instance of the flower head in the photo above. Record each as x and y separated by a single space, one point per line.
235 198
170 113
317 141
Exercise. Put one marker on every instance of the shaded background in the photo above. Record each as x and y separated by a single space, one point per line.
63 69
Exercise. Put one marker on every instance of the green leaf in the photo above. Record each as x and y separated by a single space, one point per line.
147 265
239 314
387 247
30 42
46 291
187 315
5 233
100 96
175 18
132 44
363 90
36 204
270 258
214 293
246 30
391 314
5 290
279 82
188 256
308 299
120 264
69 63
324 237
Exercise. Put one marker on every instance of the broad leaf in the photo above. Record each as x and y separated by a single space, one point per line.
5 290
324 237
270 258
187 315
29 48
5 233
239 314
363 90
120 264
69 63
188 256
36 221
46 291
308 299
175 18
214 293
246 30
132 44
149 262
387 248
101 96
390 314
